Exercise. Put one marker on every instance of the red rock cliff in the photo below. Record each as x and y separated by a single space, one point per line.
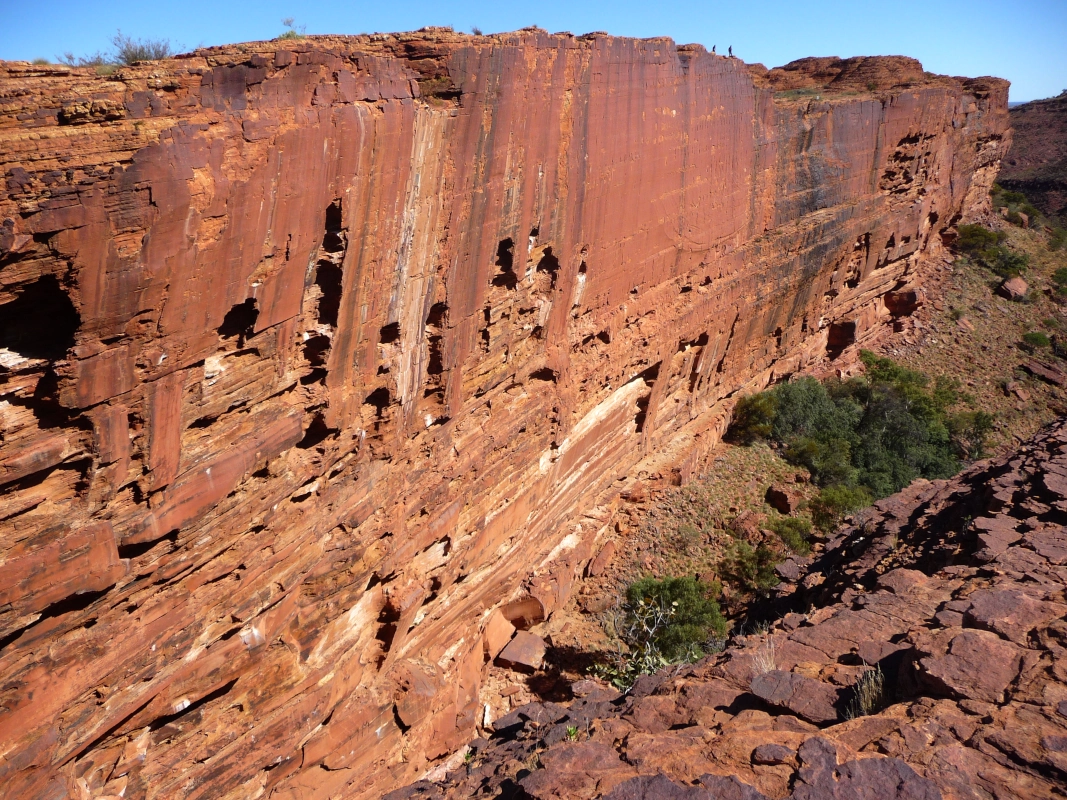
313 357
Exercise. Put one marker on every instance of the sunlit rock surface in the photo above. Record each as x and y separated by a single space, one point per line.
316 353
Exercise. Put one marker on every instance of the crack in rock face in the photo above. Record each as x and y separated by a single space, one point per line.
319 358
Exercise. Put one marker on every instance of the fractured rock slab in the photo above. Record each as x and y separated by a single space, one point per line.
524 653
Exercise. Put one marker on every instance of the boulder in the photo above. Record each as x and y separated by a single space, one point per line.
783 499
1046 372
1010 612
967 663
771 753
602 560
498 632
810 699
577 770
822 778
524 653
657 787
1014 288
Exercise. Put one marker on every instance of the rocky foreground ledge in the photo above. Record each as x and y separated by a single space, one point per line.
954 590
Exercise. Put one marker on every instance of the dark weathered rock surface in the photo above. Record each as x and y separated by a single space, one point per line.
971 642
315 353
1038 163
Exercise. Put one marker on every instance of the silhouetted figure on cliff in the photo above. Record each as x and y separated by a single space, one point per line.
713 49
731 48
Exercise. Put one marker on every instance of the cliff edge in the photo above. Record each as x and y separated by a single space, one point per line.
319 358
929 664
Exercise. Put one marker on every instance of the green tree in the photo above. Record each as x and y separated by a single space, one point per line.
752 418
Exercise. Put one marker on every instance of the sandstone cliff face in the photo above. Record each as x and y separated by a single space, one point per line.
315 355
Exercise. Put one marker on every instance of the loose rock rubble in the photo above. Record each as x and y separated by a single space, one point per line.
953 590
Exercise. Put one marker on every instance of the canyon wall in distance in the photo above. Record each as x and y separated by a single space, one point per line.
316 354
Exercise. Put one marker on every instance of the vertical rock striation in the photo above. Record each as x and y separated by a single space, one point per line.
313 354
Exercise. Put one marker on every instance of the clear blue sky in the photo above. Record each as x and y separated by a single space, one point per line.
1024 41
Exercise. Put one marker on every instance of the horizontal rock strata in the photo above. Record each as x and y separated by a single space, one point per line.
955 591
313 354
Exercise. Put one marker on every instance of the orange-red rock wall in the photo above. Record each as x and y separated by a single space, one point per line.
312 357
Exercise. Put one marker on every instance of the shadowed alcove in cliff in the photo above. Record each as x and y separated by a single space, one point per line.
40 322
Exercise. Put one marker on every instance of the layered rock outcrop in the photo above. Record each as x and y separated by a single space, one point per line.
320 356
954 591
1038 162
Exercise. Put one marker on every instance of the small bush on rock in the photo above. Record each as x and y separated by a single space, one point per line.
663 621
1035 339
869 695
129 50
291 30
751 568
794 533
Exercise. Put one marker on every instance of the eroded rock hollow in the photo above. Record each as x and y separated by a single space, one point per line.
320 357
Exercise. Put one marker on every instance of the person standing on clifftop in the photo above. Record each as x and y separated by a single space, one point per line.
731 49
713 49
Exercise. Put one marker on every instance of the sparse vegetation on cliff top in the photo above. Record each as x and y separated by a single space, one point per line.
125 50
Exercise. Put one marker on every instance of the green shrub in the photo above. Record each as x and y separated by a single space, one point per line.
1006 198
834 503
794 532
985 248
1057 239
828 459
1035 339
1007 264
804 408
694 616
750 568
973 240
292 32
752 418
663 621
